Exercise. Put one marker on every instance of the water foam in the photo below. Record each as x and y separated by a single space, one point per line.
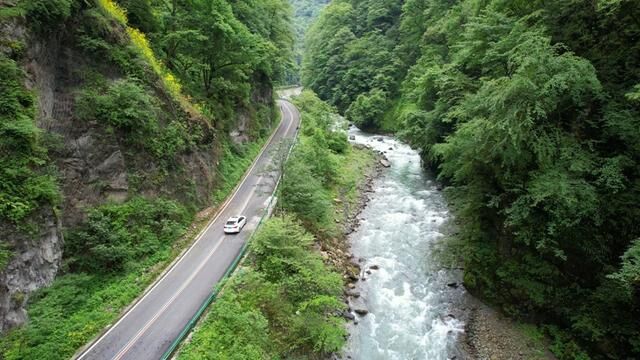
408 316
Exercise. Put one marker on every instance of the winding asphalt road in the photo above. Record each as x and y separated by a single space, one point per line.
149 327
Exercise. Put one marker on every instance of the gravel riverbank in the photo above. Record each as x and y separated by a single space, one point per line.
491 336
337 251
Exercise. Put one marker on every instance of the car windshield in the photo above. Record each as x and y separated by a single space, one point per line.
231 222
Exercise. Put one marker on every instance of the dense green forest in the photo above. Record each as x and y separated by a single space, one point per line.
304 13
530 112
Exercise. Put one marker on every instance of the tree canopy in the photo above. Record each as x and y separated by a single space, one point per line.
529 112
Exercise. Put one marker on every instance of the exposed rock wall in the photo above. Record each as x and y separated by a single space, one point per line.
37 243
37 259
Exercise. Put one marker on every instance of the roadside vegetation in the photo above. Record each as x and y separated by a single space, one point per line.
286 301
529 112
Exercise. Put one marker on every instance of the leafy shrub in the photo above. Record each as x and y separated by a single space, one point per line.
367 110
279 242
282 252
629 273
315 151
302 194
235 329
45 15
117 233
125 105
318 325
337 142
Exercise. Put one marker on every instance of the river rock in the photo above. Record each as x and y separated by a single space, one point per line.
349 316
374 267
361 311
385 163
351 285
358 307
352 137
355 264
380 139
353 293
453 285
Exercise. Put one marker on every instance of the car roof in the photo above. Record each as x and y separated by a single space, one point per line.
234 218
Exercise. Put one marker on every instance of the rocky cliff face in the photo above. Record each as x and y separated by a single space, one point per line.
37 258
36 243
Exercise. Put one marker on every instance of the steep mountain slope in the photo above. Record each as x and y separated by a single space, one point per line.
305 13
92 116
529 111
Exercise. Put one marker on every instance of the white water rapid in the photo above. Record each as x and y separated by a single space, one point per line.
408 298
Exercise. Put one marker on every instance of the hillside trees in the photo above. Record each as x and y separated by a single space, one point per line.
218 48
529 111
345 58
305 12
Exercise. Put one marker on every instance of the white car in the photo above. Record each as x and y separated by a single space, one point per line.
235 224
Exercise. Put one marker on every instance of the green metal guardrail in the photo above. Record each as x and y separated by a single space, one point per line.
216 291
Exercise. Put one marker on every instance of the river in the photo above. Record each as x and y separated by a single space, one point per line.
411 298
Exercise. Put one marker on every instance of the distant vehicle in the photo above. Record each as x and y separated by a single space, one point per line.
235 224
